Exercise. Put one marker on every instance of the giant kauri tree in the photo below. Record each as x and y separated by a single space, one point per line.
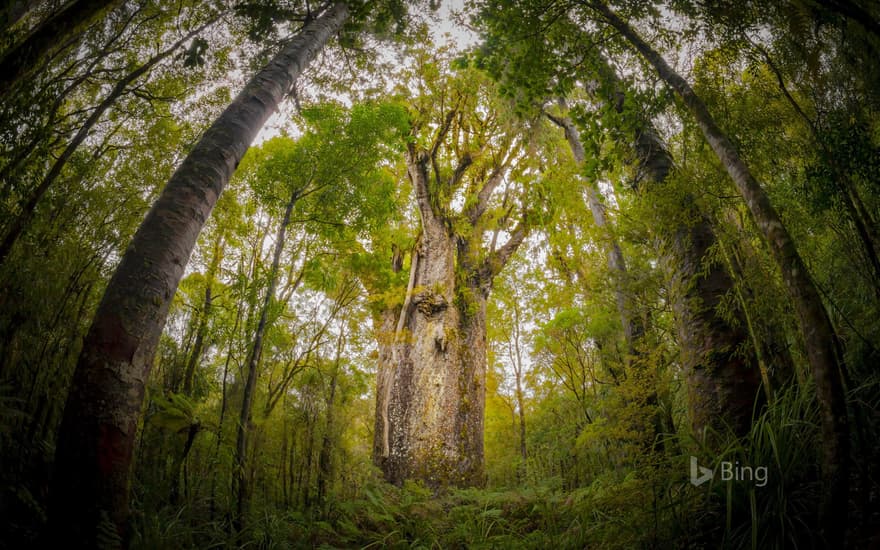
432 373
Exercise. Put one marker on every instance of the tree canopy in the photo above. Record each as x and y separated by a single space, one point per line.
313 274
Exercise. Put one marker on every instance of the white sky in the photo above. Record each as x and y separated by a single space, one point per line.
444 31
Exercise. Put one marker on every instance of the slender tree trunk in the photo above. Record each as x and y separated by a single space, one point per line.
771 340
57 32
178 467
239 311
818 333
520 396
325 455
305 478
282 467
633 328
863 222
204 317
250 387
723 383
94 451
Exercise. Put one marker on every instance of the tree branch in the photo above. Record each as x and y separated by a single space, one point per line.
488 188
496 261
417 170
438 141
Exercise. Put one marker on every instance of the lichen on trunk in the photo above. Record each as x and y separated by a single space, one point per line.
431 384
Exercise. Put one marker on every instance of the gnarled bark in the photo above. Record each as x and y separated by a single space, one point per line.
96 439
431 388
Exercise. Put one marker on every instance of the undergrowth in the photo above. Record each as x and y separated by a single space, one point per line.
649 505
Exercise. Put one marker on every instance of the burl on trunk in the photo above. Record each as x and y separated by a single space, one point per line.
431 386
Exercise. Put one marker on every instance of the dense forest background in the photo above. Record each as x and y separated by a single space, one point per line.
580 274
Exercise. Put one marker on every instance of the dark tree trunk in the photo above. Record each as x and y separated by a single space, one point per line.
325 456
58 32
723 383
14 11
855 13
180 461
96 439
819 337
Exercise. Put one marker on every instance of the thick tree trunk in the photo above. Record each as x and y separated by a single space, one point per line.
253 365
96 439
437 393
432 381
433 405
58 32
855 13
818 333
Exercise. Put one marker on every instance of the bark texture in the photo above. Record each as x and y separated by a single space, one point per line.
431 388
815 325
96 439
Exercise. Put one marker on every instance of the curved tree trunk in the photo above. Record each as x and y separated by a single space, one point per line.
96 438
818 333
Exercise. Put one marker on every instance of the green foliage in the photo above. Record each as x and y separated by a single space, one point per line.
607 426
174 412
